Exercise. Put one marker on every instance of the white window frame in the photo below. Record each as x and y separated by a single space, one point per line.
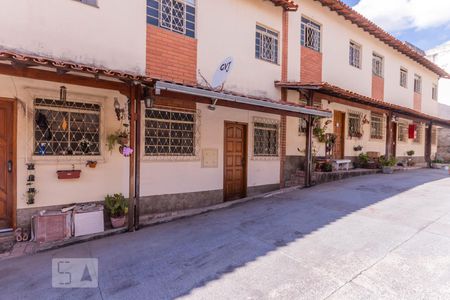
377 65
268 35
311 34
355 55
404 77
417 84
434 91
171 27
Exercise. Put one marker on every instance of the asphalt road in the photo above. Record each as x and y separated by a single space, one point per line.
380 236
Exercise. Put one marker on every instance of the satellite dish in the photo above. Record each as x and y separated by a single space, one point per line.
221 74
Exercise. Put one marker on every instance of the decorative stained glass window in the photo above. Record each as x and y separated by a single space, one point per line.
266 138
266 44
310 34
170 132
65 128
174 15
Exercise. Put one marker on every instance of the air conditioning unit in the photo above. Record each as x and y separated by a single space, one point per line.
51 226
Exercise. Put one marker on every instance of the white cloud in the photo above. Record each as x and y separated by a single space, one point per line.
398 15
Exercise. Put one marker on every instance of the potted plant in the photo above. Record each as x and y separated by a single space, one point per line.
31 194
410 162
362 161
117 207
358 148
326 167
387 164
120 137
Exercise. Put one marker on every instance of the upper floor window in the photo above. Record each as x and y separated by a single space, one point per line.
377 65
266 47
310 34
376 126
88 2
174 15
65 128
403 77
417 84
434 92
355 55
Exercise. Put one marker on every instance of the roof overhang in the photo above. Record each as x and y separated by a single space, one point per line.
359 20
288 5
233 98
334 91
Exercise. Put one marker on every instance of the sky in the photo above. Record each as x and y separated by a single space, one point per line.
424 23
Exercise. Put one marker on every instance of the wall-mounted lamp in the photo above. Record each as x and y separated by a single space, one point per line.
147 98
119 111
212 107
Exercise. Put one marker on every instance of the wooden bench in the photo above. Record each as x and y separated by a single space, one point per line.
340 164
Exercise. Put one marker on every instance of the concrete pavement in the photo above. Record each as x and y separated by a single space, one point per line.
372 237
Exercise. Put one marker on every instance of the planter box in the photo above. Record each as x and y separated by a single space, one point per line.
69 174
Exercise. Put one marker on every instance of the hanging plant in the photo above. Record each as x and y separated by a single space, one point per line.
120 137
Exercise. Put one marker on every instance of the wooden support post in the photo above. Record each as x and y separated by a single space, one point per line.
132 178
137 152
428 142
389 135
309 144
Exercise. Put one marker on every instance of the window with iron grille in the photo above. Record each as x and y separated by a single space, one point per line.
403 77
174 15
65 128
310 34
170 132
377 65
434 135
354 125
266 44
434 92
355 55
417 84
266 137
402 132
419 133
376 126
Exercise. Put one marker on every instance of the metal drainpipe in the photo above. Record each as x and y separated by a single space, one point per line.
309 146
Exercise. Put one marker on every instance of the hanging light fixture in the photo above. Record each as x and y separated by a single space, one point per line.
147 98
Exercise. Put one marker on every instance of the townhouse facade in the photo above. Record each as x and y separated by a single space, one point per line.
146 67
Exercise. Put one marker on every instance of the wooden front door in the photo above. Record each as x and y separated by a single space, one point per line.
339 131
235 161
394 139
7 168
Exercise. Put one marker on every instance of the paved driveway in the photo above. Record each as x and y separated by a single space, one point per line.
380 236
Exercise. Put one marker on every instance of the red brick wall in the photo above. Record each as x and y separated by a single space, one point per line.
171 56
311 65
378 87
418 101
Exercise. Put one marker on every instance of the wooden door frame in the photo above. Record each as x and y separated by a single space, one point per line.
342 129
14 160
245 155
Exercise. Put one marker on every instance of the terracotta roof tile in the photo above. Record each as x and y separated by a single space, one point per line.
289 5
356 18
326 88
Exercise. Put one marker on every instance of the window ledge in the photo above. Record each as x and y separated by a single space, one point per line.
42 160
149 159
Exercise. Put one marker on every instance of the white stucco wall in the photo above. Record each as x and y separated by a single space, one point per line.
111 173
178 176
336 35
228 28
112 35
